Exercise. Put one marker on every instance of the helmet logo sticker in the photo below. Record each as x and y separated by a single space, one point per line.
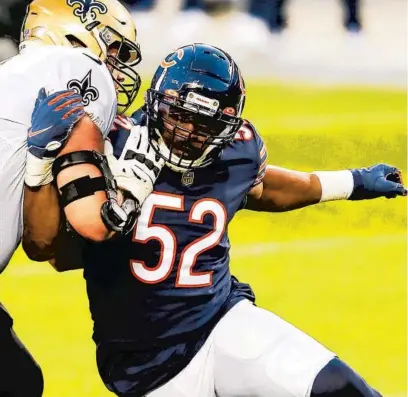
180 54
84 88
164 64
86 9
207 105
107 36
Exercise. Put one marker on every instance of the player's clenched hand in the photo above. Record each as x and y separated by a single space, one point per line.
52 121
138 166
380 180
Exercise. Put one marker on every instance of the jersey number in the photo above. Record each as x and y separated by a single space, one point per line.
146 231
245 133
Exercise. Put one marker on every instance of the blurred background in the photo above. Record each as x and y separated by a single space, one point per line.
328 41
326 88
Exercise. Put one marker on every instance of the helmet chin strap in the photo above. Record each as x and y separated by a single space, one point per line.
102 45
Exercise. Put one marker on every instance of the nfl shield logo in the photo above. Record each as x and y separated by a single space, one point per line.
188 178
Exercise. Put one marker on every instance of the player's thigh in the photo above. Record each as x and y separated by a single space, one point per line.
195 380
11 199
6 321
20 375
258 354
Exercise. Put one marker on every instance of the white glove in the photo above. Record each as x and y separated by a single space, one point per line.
138 166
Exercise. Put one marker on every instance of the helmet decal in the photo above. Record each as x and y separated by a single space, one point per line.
180 54
164 64
86 9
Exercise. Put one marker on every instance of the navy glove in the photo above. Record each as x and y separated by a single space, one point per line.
52 121
380 180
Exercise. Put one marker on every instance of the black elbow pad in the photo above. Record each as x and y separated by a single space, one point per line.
115 217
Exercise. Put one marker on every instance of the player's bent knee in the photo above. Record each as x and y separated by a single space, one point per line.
33 382
337 379
30 381
23 376
37 381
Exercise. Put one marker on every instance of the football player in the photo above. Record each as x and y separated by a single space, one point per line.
169 318
89 50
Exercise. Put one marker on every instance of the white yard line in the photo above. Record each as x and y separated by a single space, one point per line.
314 244
26 269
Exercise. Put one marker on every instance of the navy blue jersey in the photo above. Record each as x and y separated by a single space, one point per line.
162 288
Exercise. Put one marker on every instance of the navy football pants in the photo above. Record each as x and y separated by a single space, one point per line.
20 375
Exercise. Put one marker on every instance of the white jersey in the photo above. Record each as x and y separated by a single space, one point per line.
21 78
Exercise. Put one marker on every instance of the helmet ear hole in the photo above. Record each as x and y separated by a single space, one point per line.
75 42
92 25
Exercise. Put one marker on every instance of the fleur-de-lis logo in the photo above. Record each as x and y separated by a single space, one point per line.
84 88
86 9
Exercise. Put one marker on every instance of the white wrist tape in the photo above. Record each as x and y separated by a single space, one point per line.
38 171
336 185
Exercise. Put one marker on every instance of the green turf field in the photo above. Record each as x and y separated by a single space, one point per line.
337 271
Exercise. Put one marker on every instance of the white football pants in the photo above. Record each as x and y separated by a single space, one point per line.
251 353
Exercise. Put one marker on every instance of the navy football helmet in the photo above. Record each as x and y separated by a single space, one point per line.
194 106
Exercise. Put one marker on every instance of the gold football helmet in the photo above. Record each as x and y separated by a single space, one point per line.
103 26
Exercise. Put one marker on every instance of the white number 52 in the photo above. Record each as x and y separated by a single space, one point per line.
146 231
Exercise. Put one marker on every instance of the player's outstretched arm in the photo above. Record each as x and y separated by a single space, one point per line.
284 190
